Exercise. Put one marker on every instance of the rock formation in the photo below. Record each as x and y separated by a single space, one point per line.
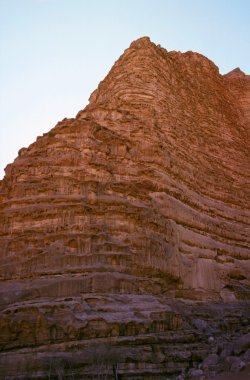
126 229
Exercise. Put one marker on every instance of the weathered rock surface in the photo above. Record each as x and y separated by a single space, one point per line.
111 217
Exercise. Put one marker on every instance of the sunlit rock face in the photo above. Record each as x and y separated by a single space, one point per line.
110 217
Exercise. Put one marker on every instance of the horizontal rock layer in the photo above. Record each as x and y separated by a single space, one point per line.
147 337
144 195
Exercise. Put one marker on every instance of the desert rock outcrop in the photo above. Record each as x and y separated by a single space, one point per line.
131 221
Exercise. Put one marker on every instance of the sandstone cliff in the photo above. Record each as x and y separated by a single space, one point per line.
111 217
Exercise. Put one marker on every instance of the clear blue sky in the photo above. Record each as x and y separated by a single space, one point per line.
53 53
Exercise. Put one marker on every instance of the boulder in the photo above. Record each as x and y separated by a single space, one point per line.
242 344
234 364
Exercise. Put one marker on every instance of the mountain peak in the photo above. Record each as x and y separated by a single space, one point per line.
235 73
147 74
141 42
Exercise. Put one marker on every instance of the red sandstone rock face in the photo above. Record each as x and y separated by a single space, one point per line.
144 195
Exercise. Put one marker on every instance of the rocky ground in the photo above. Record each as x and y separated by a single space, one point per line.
244 375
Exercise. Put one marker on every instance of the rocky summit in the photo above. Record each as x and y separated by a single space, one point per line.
125 231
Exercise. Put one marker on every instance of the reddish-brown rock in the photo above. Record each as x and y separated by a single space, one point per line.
106 220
